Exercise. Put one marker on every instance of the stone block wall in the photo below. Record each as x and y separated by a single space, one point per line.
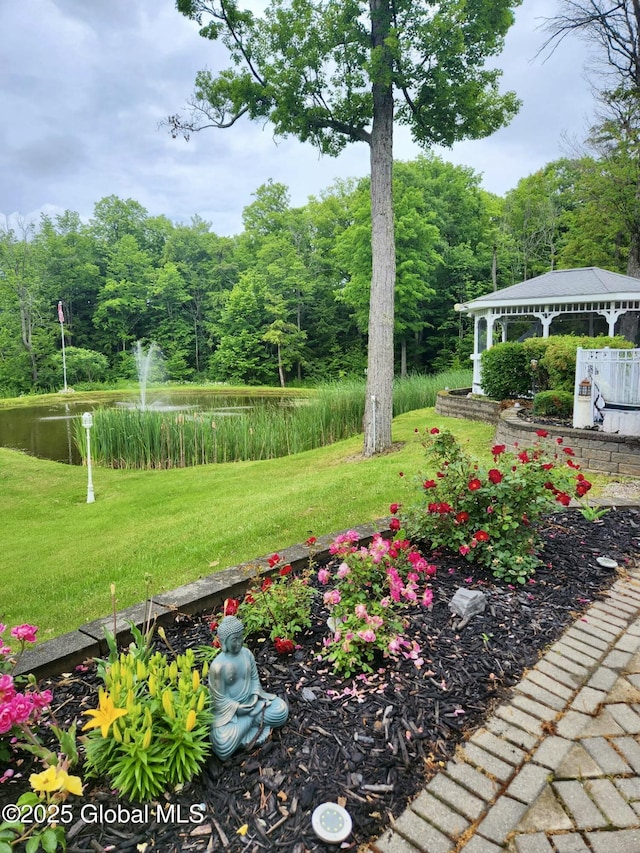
600 452
456 404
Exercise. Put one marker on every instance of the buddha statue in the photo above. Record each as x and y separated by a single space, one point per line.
243 714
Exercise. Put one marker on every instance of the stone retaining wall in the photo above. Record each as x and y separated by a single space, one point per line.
456 404
601 452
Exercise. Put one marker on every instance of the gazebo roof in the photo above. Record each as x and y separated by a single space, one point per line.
586 284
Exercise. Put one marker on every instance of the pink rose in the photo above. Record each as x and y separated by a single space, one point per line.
21 706
25 633
323 576
7 690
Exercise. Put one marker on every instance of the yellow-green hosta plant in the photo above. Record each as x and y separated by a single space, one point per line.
150 731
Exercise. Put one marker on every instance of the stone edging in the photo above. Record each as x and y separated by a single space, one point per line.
601 452
65 652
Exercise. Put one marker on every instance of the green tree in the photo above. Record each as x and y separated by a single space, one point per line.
336 72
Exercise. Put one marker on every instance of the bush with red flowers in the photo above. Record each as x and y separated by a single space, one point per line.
278 606
489 516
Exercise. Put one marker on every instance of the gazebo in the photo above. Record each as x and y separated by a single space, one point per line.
588 292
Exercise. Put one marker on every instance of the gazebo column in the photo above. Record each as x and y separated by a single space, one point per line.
611 315
503 323
545 318
477 377
491 318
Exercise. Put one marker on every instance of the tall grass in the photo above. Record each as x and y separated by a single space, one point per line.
131 438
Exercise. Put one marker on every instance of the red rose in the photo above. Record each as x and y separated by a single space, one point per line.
497 449
495 476
461 517
266 583
542 433
273 560
481 536
559 440
394 524
568 451
429 484
311 541
393 509
434 430
283 647
474 485
230 606
524 456
284 571
563 498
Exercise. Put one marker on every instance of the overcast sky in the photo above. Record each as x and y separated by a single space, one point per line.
88 82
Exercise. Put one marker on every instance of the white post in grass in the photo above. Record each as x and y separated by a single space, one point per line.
87 423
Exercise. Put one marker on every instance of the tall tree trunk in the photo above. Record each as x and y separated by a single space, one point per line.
280 367
378 411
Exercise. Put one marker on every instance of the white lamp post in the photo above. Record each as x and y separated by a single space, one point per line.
87 423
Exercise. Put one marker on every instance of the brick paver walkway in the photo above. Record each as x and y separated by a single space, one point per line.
555 770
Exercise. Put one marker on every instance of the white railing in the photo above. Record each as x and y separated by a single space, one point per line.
605 377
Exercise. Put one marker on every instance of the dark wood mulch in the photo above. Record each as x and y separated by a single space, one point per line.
370 743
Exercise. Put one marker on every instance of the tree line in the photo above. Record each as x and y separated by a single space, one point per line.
287 300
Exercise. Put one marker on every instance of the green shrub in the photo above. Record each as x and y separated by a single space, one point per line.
490 516
506 371
558 404
559 360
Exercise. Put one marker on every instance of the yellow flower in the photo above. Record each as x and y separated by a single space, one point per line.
104 715
243 829
195 680
191 720
146 740
167 704
55 779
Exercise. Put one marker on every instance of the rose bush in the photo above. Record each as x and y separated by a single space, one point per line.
368 590
489 515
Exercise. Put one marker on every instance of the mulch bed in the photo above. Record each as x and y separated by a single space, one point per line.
370 743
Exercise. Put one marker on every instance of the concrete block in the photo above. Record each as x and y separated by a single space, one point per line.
579 805
501 820
610 803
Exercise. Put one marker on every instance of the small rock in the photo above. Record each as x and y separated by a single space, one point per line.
308 695
467 602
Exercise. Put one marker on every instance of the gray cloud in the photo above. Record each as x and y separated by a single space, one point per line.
87 85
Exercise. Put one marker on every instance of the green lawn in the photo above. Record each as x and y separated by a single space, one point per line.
59 554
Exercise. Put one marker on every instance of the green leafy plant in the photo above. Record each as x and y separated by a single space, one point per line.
369 591
489 516
279 606
557 404
150 730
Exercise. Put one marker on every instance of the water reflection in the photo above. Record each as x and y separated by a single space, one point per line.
47 430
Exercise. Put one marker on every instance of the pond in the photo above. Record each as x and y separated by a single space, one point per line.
47 430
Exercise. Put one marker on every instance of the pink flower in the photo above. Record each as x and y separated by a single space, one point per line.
375 621
3 627
431 569
384 602
323 576
367 635
25 633
42 700
427 598
6 719
343 570
7 690
361 611
21 706
464 550
332 597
